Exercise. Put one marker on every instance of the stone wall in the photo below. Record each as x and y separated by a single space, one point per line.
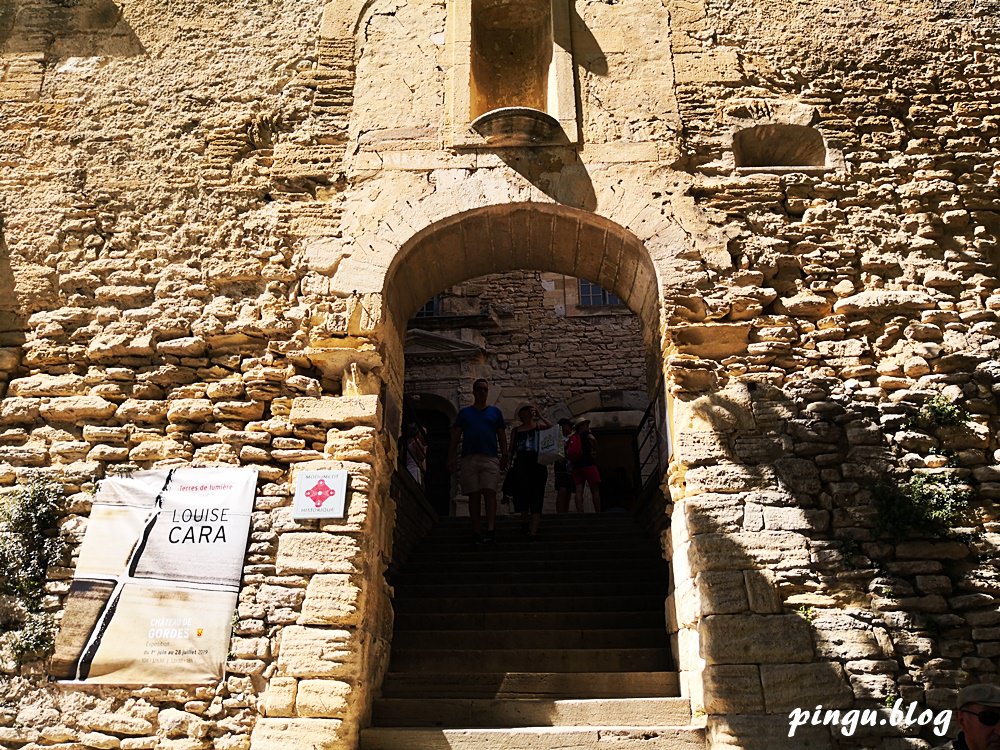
534 349
876 288
205 229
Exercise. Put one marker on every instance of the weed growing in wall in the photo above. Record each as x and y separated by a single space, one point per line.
925 502
941 411
29 544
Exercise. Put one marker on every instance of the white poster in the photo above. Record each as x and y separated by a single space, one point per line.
155 587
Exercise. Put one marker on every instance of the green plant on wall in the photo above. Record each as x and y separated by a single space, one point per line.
941 411
925 502
29 544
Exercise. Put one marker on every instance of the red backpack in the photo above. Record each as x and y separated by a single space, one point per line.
574 447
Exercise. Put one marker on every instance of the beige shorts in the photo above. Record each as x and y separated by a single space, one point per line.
478 472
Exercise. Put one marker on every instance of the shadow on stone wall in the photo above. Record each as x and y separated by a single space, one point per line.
557 172
59 29
11 320
587 50
801 603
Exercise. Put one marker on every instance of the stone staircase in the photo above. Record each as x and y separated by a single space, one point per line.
554 643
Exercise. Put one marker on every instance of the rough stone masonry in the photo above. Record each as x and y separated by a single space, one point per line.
217 218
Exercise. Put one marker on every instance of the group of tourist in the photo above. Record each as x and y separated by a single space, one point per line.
487 452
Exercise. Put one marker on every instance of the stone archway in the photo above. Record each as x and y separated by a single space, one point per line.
530 236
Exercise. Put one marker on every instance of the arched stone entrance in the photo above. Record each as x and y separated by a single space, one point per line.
363 342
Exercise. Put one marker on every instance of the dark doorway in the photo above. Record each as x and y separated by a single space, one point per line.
437 481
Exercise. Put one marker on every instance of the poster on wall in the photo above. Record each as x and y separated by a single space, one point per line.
155 587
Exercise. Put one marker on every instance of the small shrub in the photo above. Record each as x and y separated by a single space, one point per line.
30 541
29 544
933 503
941 411
35 638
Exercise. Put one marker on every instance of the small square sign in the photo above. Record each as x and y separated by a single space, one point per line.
320 494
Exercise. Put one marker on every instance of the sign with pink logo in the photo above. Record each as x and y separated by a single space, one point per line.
320 494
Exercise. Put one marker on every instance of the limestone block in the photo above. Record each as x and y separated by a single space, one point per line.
159 450
316 552
969 435
276 597
795 519
190 410
723 478
883 302
232 742
18 736
324 698
733 688
142 410
722 592
711 341
318 652
840 635
355 444
16 410
919 550
711 512
183 743
342 410
762 592
48 385
250 648
190 346
111 345
807 305
279 698
750 732
696 448
239 410
281 734
175 723
719 65
117 724
77 409
332 600
788 686
100 741
755 639
749 550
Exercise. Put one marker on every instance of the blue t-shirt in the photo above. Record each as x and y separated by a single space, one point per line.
479 430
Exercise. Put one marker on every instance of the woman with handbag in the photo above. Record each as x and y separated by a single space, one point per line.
527 475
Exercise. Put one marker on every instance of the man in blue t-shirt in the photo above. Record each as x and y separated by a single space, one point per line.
480 430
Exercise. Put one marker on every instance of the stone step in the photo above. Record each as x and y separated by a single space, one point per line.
522 660
551 530
535 738
550 603
528 620
529 589
566 520
434 684
485 712
518 542
536 552
530 573
475 564
533 639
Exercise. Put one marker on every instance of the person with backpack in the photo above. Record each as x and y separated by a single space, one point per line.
581 452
